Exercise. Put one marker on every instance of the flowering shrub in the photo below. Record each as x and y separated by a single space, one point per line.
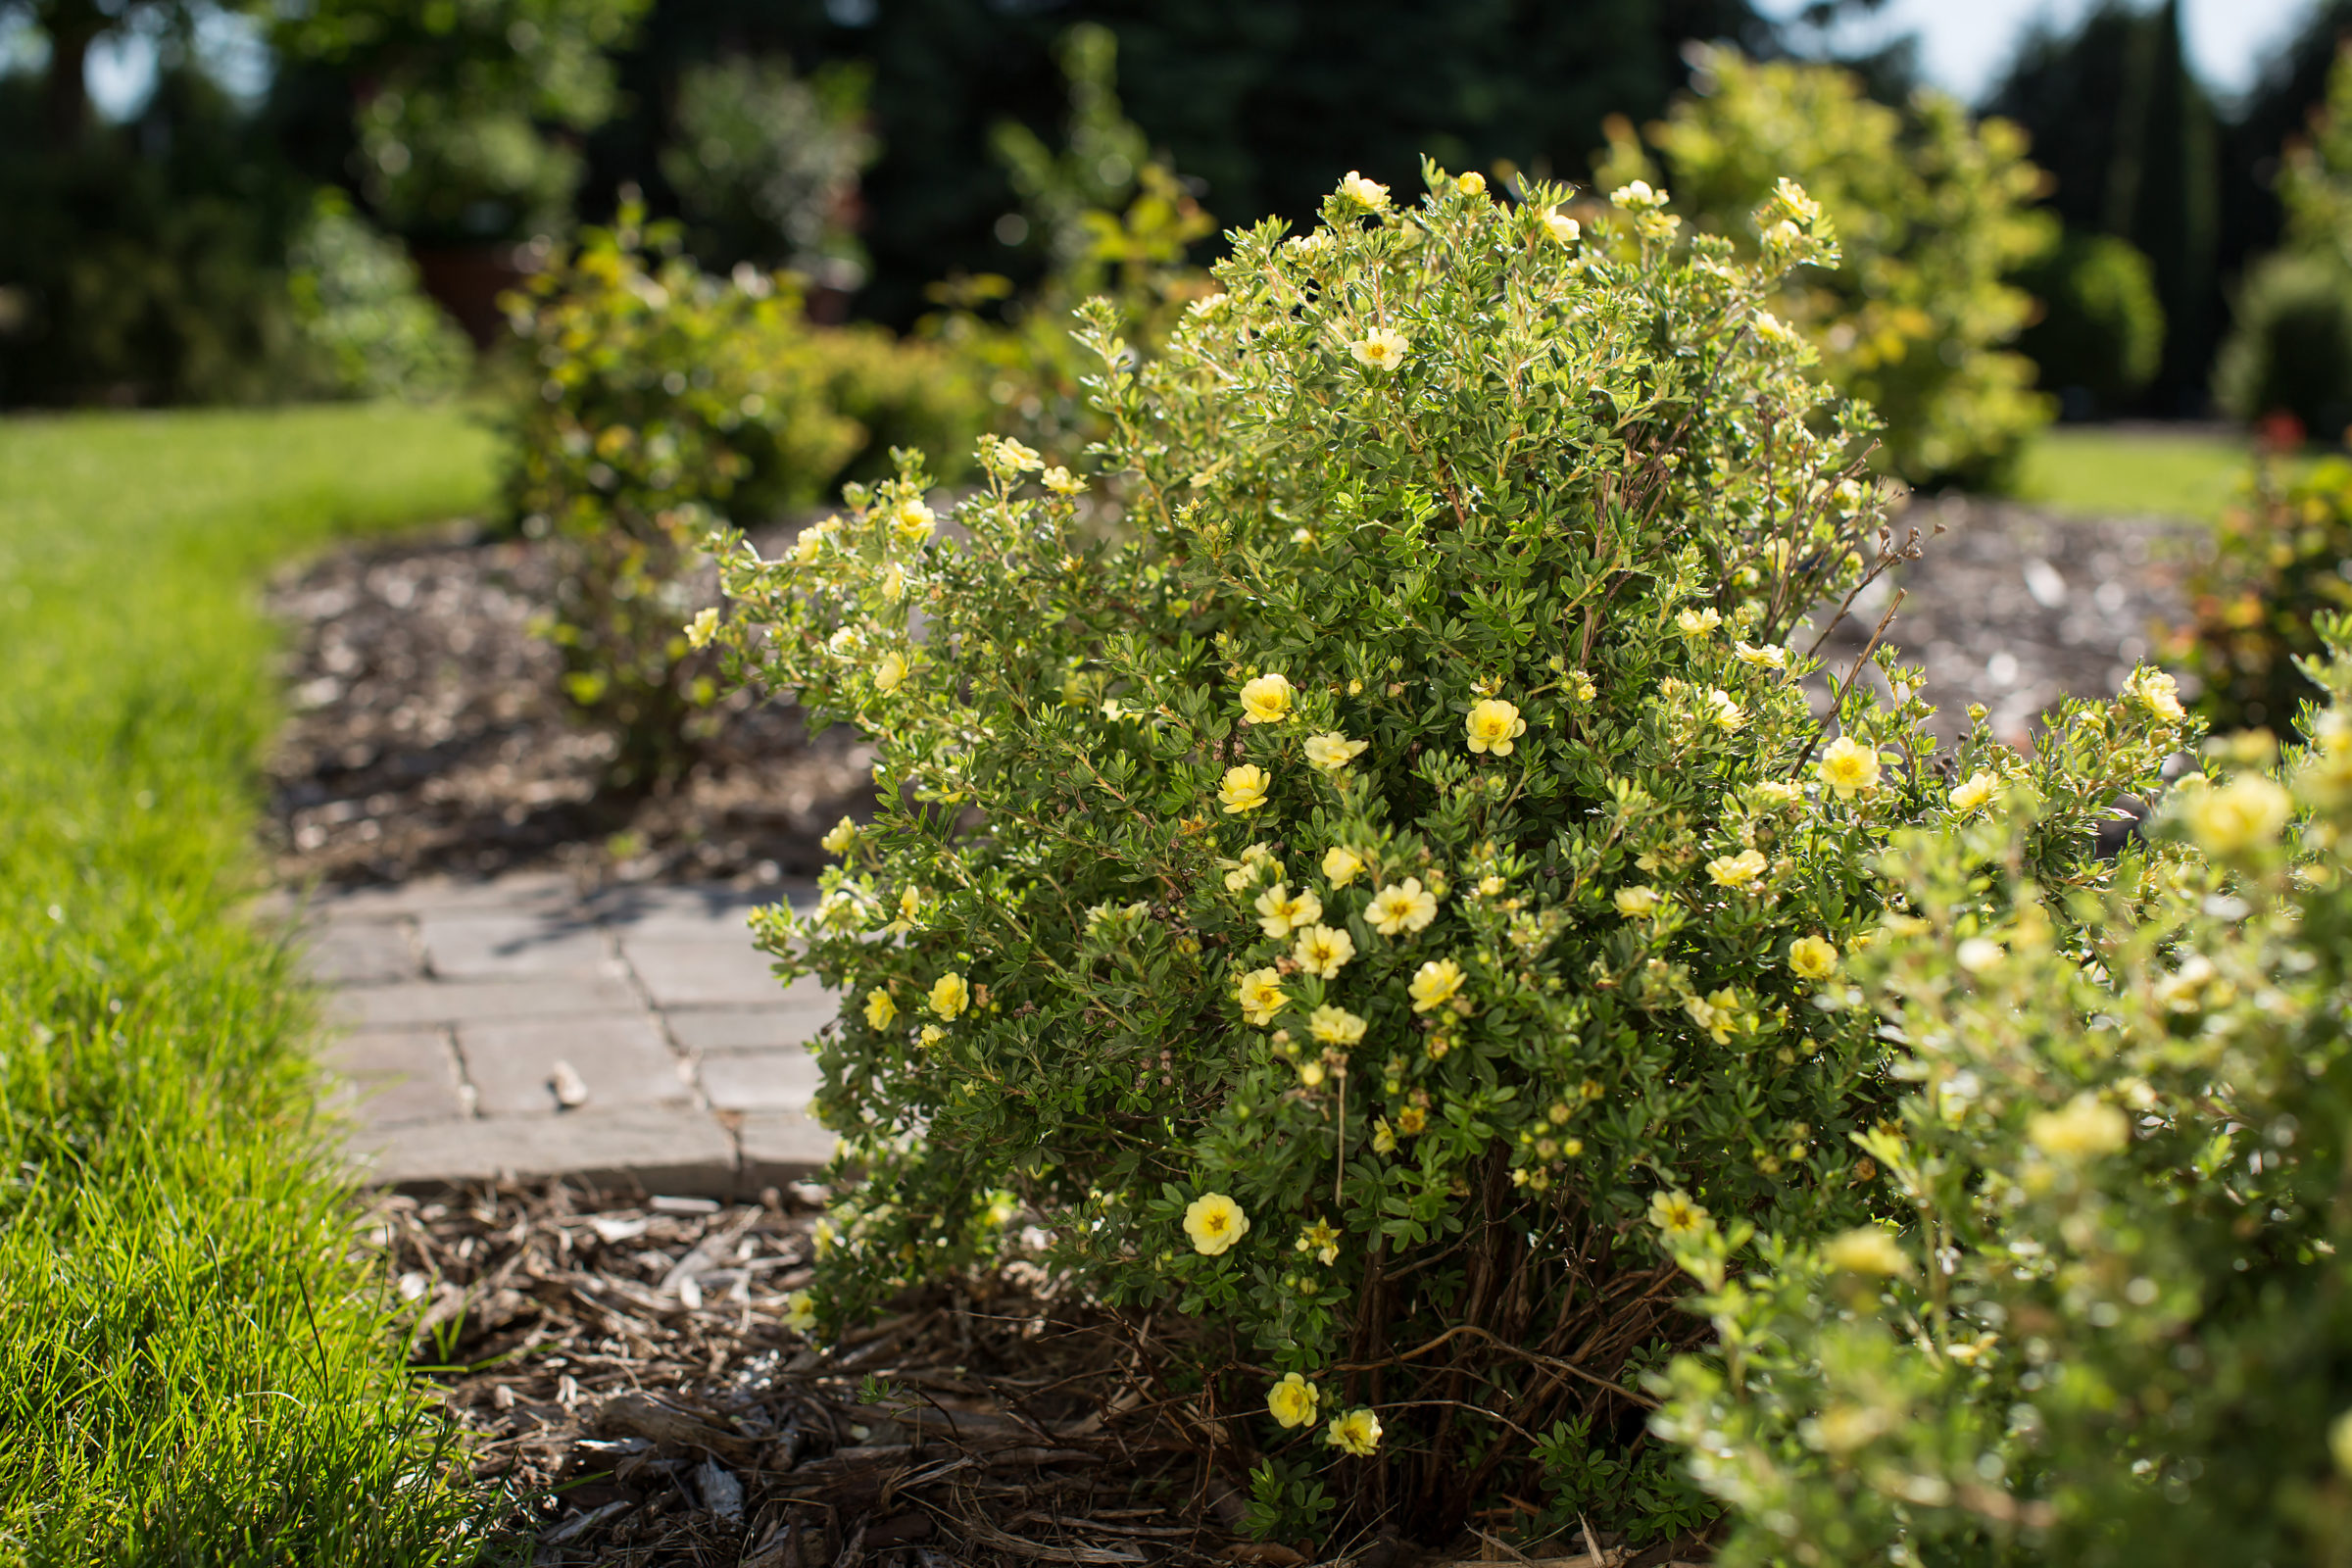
2280 561
1931 215
2111 1326
668 400
1343 903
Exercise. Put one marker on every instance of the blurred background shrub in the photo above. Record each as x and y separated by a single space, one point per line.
2098 339
2282 559
1932 214
359 304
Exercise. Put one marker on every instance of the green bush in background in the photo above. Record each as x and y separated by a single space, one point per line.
1931 215
766 162
359 304
2281 562
2107 1325
2099 337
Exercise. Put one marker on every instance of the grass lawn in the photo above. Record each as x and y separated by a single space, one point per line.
2143 469
196 1364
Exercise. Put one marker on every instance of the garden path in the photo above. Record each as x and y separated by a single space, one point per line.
515 1026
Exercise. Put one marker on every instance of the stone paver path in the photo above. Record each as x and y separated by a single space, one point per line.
515 1027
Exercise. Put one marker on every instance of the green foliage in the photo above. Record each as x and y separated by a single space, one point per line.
469 107
2279 565
2099 339
666 400
766 165
1931 216
360 307
199 1366
2110 1329
1338 904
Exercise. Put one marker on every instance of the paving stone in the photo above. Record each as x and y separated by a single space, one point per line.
361 952
702 1031
491 945
692 911
399 1076
662 1151
429 1001
623 1060
516 891
781 1146
765 1080
702 973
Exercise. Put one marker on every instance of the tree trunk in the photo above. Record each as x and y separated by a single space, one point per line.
71 27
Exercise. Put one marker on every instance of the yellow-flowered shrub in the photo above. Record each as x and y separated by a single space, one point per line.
1399 857
2107 1324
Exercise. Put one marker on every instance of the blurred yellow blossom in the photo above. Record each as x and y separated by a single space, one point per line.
1493 725
1973 792
840 836
1322 950
1698 623
2161 693
1341 865
1741 872
800 1313
1865 1250
911 520
1244 789
891 672
1063 482
1435 984
1357 1433
1322 1239
1280 911
1471 183
701 628
1383 350
1333 751
1847 766
1261 996
949 996
1401 907
1335 1026
1267 698
1563 230
1676 1214
2086 1126
1370 194
1771 656
1638 903
880 1010
2242 814
1812 957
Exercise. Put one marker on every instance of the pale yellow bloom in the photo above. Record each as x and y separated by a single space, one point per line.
2242 814
1471 183
1847 766
1435 984
1261 996
1724 712
1636 196
1410 1120
1383 350
1740 872
2084 1127
1979 953
932 1035
1698 623
894 583
1812 957
1404 905
840 837
1491 886
1636 902
1267 698
1010 455
1322 1239
1718 1013
1776 791
949 996
1281 912
1244 789
880 1011
1772 329
1676 1214
1214 1222
1322 950
913 520
1333 751
1370 194
2161 693
1563 230
701 628
1383 1137
1335 1026
800 1313
1493 725
1292 1400
1063 482
1312 1072
1341 865
1973 792
1357 1433
890 673
1865 1250
1771 656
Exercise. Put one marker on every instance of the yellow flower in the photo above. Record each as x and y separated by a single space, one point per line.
1717 1013
1771 330
1676 1215
932 1035
1563 230
880 1010
889 672
1974 791
701 628
1698 623
1335 1026
1214 1222
1357 1433
2340 1441
1865 1250
1812 957
2242 814
1404 905
799 1311
1724 713
1267 698
1637 903
1261 996
1771 656
894 583
1063 482
1383 1137
1740 872
2161 693
1370 194
1410 1120
1005 455
1435 984
1473 183
1280 911
1341 865
1491 886
1312 1072
2084 1127
1776 792
840 837
1383 350
1848 767
1333 751
1244 788
1322 1239
1322 950
912 520
1636 195
949 996
1493 725
1292 1400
